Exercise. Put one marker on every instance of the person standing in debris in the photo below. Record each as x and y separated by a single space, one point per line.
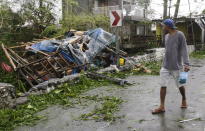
175 61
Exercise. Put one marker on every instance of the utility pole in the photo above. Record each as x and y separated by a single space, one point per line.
145 8
165 9
170 4
192 24
118 34
40 3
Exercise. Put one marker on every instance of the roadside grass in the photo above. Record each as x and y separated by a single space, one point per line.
106 111
198 54
26 114
154 66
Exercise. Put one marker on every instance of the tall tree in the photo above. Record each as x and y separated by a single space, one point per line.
165 9
177 9
203 12
64 8
38 13
40 3
67 7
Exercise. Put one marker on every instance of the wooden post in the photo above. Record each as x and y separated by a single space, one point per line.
8 56
25 77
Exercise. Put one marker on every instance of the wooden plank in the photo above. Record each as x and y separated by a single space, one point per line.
20 46
48 71
8 56
57 62
29 82
52 67
64 59
18 57
30 75
33 62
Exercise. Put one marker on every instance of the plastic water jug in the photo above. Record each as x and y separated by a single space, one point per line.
183 77
122 61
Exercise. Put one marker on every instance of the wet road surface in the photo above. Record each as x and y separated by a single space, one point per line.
139 100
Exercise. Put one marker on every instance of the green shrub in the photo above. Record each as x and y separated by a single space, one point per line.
84 22
198 54
50 31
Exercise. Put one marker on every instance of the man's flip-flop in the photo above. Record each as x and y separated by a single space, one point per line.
184 107
158 111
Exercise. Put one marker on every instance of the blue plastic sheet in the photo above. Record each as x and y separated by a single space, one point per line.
67 56
46 45
101 36
99 39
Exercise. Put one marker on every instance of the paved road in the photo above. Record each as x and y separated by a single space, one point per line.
140 99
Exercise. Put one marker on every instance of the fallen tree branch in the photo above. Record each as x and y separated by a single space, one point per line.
101 76
53 82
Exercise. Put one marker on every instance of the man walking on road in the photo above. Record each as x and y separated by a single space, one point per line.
175 61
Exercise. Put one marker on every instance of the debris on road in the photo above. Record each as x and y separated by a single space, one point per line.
45 63
7 93
8 97
51 83
101 76
46 59
192 119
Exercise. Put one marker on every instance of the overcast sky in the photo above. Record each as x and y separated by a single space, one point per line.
196 6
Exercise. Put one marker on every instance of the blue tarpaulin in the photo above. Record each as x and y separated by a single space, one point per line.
46 45
99 39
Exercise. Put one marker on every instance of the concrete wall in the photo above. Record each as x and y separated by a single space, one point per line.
191 48
157 54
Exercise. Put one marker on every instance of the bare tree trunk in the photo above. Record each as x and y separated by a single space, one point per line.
40 28
40 3
177 9
165 9
64 9
91 5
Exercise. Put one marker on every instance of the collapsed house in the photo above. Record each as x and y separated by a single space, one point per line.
44 59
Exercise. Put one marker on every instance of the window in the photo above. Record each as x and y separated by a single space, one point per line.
140 30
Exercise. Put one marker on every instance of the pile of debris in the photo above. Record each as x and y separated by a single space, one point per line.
45 63
45 59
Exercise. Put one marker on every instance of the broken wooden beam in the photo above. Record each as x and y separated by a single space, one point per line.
8 56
